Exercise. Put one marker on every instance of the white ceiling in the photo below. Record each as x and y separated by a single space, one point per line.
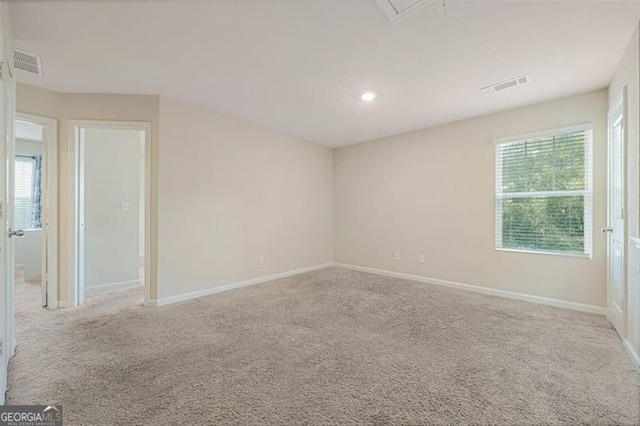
28 131
299 66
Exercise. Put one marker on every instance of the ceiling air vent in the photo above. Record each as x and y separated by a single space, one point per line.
514 82
398 9
27 62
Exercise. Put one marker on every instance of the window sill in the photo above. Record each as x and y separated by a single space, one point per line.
551 253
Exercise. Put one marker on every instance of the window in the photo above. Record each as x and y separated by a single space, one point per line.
27 193
543 192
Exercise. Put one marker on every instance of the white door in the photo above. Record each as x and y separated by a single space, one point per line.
7 272
5 290
615 229
9 212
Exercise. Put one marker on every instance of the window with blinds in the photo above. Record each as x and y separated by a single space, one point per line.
543 192
24 195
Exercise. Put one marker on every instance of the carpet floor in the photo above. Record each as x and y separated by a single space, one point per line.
327 347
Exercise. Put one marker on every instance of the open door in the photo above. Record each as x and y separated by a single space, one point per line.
7 275
49 217
40 242
615 229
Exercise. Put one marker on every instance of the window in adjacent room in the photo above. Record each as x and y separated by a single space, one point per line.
543 192
27 192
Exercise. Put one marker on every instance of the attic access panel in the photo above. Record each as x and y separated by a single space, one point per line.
395 10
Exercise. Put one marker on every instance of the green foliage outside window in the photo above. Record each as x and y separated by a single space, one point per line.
542 193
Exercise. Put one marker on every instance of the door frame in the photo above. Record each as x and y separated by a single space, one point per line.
619 105
50 184
75 129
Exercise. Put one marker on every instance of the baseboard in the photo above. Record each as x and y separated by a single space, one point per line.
201 293
484 290
111 286
635 358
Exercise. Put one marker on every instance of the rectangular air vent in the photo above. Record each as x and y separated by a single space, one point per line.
398 9
514 82
27 62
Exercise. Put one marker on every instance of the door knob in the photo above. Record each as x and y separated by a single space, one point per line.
16 233
607 229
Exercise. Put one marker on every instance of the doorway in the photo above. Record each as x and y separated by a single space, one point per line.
35 212
616 282
111 206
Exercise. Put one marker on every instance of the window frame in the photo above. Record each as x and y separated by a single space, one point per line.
587 193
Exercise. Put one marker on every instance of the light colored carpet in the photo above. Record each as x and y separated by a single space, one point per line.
331 346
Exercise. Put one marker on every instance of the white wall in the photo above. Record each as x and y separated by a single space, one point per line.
18 250
111 178
628 74
32 243
431 192
229 192
68 106
270 194
28 148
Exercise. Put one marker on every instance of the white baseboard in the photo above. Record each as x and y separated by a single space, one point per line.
635 358
484 290
111 286
195 294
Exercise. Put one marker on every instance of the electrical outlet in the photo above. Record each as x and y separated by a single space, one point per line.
420 258
396 256
261 259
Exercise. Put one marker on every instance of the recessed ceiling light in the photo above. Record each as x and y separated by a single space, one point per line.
368 96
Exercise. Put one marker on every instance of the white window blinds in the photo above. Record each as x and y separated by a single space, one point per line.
543 192
24 172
